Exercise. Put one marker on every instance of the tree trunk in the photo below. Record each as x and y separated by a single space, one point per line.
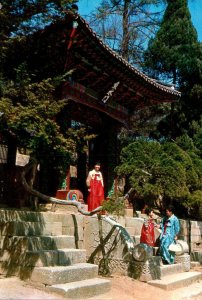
125 25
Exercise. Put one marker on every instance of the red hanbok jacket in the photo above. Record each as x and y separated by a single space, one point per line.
96 189
147 233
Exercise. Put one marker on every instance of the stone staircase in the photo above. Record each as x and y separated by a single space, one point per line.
47 249
173 277
40 247
167 277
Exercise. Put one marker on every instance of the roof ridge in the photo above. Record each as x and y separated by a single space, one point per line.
148 79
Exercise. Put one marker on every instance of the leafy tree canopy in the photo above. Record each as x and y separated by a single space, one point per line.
30 115
24 16
161 173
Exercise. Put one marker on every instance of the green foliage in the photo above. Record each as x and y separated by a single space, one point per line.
197 137
161 171
33 115
174 55
194 204
170 52
30 115
25 16
114 205
146 120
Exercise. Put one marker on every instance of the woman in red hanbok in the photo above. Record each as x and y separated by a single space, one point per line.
95 187
147 232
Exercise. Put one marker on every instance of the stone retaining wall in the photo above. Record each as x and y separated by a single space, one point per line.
194 229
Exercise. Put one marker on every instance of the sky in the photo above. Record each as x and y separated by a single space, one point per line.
195 7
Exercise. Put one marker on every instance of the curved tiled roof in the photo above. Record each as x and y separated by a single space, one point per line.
116 56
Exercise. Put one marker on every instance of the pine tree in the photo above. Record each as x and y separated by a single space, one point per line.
24 16
172 53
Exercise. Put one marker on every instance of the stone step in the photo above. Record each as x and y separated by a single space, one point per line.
195 264
68 220
193 291
133 231
68 208
31 216
82 289
33 243
59 257
18 215
134 225
131 222
166 270
64 274
44 258
30 228
26 216
174 281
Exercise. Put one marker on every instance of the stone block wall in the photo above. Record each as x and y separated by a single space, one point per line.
85 232
194 228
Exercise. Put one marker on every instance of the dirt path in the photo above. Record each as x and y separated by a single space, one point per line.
13 288
123 288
